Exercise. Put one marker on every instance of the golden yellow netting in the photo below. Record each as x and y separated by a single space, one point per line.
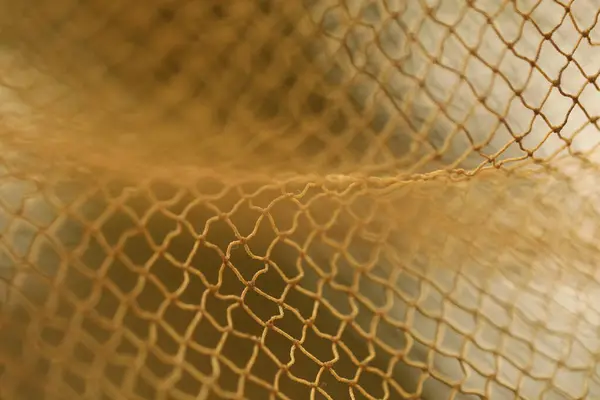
301 199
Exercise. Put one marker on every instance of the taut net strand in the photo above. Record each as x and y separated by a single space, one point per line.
300 199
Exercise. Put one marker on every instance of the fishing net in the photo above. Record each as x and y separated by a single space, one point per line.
324 199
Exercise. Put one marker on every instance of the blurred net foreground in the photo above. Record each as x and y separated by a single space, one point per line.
172 226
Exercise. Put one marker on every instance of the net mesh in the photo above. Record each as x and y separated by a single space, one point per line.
324 199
